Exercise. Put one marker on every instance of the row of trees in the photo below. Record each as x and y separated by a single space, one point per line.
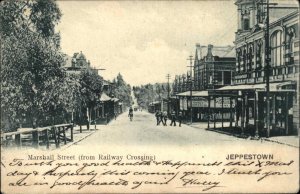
148 93
122 90
34 84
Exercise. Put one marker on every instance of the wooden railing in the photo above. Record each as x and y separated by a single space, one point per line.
56 133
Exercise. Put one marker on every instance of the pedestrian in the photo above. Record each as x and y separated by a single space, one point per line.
158 117
115 115
173 118
162 117
130 114
180 118
165 118
106 117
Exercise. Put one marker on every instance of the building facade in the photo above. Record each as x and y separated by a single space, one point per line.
250 74
215 69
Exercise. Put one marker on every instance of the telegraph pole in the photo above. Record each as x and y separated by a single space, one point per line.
267 61
191 86
267 69
168 107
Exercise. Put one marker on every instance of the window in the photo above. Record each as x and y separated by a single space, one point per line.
276 49
238 60
246 24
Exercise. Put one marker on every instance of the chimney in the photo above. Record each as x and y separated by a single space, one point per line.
209 51
198 54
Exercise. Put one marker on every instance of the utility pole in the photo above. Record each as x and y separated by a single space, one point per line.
168 88
267 69
267 61
191 86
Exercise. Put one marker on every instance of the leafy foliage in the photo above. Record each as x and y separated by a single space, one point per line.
91 87
146 94
33 84
122 90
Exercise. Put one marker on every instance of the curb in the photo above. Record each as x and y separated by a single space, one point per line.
245 137
74 142
278 142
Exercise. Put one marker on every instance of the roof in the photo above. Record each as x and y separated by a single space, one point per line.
155 102
230 53
194 93
80 56
220 51
115 99
262 86
104 97
105 82
68 60
277 14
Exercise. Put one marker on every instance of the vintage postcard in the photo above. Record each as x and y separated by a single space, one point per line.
149 96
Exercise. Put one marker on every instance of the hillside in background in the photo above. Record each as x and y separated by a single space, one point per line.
148 93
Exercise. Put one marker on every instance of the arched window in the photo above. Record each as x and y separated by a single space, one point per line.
259 54
244 60
250 57
238 56
276 48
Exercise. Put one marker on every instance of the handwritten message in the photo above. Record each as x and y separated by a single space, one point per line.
134 175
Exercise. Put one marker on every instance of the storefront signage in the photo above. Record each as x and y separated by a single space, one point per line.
203 102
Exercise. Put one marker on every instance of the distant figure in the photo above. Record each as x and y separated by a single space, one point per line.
165 118
158 117
106 118
173 118
130 114
180 118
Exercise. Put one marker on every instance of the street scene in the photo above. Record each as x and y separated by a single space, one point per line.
242 83
149 96
142 131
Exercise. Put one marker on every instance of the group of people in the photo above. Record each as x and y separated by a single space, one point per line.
162 117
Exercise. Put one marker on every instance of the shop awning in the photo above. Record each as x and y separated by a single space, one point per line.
115 99
273 86
194 93
155 102
104 97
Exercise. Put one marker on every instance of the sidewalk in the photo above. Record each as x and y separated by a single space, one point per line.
285 140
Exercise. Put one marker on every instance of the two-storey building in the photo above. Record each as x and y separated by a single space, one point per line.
250 74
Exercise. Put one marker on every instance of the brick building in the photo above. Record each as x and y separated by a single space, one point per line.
250 73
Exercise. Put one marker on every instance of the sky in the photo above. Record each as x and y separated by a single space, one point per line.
144 40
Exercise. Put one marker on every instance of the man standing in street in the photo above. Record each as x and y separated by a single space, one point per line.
180 118
158 117
173 118
165 118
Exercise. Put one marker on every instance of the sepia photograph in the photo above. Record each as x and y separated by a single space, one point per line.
149 96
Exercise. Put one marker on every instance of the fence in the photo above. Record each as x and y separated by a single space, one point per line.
45 135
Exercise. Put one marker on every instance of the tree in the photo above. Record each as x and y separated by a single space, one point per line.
90 90
148 93
33 84
122 90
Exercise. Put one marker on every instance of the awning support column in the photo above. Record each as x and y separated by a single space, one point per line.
256 117
209 112
273 111
222 112
243 114
286 113
246 110
214 112
236 112
230 112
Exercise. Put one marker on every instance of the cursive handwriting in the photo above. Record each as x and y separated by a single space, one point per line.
137 174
